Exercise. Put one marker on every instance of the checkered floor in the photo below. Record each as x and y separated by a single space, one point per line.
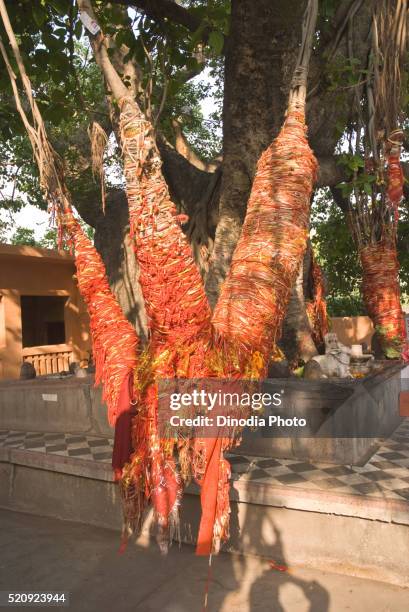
385 475
68 445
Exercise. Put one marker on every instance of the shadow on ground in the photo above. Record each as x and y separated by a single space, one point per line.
39 553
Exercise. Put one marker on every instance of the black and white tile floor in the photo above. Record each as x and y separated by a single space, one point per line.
68 445
385 475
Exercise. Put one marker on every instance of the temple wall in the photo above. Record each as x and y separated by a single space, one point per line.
29 271
353 330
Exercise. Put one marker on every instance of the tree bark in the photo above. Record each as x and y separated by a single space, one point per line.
113 244
261 35
260 56
296 340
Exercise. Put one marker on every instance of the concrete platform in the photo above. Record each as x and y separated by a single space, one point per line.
345 417
357 534
365 411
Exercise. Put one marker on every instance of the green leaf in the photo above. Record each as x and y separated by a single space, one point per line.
116 16
346 189
59 96
39 14
61 6
125 37
197 36
391 352
61 62
60 32
52 42
354 162
41 58
216 42
78 29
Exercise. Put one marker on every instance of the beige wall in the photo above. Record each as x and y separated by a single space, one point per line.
353 330
31 271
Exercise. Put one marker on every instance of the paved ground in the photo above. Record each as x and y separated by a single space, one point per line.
45 554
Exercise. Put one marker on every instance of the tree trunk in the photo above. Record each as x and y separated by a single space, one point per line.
296 340
261 35
260 56
113 244
381 294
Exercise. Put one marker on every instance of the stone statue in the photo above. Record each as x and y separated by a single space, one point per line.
335 362
76 369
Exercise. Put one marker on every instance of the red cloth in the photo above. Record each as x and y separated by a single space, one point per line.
208 496
123 427
404 403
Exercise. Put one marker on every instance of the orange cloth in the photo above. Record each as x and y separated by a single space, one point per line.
208 496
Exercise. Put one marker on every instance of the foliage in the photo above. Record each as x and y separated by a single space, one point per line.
24 235
169 57
70 91
49 240
337 254
345 305
344 72
204 135
18 175
172 59
353 165
4 229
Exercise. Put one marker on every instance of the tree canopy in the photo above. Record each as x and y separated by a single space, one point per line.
176 54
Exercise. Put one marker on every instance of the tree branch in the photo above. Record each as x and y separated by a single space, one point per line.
186 182
164 9
98 44
158 10
331 40
340 200
183 147
331 173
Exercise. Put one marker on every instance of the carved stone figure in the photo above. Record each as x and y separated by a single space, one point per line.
335 362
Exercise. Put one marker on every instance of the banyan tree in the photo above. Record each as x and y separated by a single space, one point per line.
238 338
376 187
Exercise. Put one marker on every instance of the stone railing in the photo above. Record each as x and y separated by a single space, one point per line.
49 359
